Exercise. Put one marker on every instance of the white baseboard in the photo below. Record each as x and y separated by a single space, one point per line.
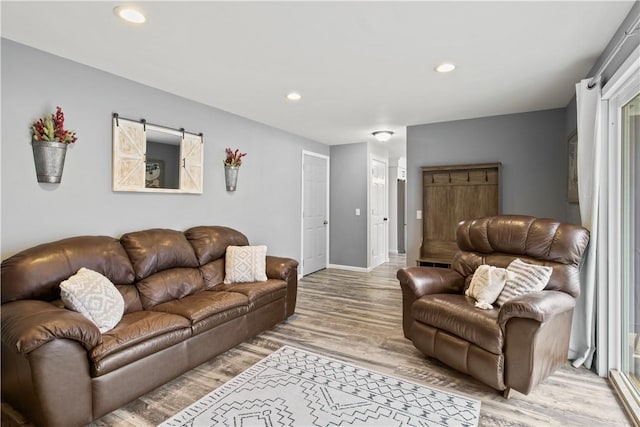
350 268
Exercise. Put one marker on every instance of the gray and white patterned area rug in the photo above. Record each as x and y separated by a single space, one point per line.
292 387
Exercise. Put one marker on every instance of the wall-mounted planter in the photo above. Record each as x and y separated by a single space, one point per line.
231 177
49 160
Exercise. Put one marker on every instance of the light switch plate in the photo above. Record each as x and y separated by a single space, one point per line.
357 212
418 214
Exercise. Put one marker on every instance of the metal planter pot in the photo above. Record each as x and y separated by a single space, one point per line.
49 159
231 177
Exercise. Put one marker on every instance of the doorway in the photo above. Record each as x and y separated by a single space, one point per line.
315 212
378 212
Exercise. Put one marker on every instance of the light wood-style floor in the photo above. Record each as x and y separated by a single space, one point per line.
357 317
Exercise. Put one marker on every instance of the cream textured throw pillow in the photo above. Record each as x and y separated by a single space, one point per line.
245 264
95 297
486 284
524 278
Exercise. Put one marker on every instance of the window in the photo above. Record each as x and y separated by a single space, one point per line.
623 96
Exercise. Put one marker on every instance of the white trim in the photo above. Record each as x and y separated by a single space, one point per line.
328 159
624 389
351 268
620 89
622 92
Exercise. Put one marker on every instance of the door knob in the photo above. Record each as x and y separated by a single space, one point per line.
385 219
326 222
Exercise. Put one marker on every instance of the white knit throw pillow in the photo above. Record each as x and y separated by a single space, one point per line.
245 264
524 278
95 297
486 284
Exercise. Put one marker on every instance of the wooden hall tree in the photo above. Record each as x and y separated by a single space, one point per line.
451 194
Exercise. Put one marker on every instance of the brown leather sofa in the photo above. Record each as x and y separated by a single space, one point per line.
515 346
59 370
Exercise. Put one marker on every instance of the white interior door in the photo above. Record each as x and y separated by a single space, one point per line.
378 212
315 214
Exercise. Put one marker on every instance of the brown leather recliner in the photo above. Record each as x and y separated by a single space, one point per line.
515 346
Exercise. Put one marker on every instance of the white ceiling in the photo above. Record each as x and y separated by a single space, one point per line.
360 66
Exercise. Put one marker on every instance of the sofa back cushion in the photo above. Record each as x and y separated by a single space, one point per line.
210 242
167 285
36 273
213 273
155 250
498 240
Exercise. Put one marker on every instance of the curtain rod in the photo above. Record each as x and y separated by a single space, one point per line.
116 116
630 32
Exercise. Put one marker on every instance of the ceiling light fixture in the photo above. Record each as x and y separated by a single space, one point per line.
445 67
130 14
294 96
382 135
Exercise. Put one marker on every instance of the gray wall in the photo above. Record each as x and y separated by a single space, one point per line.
531 147
266 206
348 232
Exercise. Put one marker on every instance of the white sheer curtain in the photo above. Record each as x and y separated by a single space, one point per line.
592 190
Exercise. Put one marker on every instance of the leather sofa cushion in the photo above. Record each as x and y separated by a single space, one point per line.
210 242
131 298
457 315
258 293
36 273
168 285
138 334
213 273
156 250
205 304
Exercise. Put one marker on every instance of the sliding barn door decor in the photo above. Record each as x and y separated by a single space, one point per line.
157 159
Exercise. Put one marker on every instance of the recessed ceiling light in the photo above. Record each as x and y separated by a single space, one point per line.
445 67
382 135
294 96
130 14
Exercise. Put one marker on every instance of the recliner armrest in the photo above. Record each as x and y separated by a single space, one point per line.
539 306
430 280
28 324
280 268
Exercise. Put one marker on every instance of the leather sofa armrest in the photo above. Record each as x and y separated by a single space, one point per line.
416 282
280 268
430 280
28 324
538 306
285 269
